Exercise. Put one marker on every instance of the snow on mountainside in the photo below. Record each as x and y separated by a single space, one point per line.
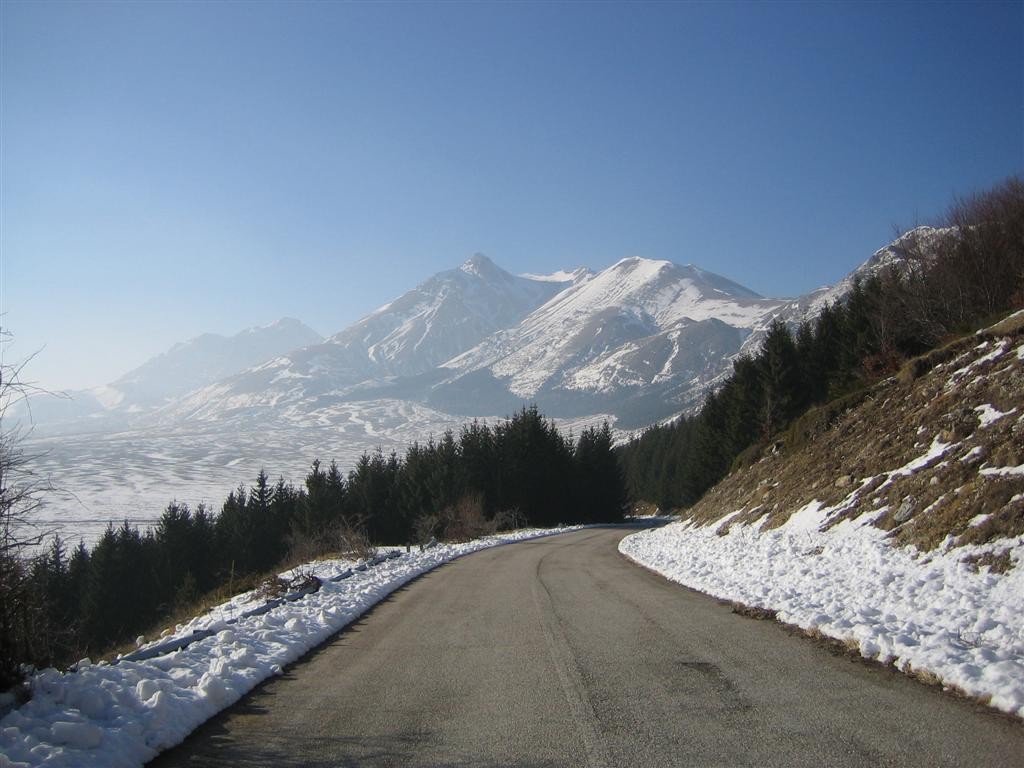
642 340
611 337
410 336
442 317
171 375
209 358
637 343
901 254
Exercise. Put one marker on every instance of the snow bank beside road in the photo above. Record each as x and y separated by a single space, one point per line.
933 611
125 714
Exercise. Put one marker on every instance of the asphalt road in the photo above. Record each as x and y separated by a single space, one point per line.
559 652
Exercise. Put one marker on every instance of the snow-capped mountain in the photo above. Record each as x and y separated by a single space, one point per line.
609 338
639 342
388 352
900 254
442 317
209 358
171 375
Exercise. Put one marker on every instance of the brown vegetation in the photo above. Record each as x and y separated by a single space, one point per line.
849 451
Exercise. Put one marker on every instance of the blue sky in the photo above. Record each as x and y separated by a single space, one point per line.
170 169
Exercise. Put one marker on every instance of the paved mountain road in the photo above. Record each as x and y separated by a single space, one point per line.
559 652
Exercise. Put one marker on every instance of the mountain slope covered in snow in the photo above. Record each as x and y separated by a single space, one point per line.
640 341
387 353
639 330
170 375
637 343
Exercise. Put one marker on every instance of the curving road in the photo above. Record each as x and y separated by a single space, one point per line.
559 652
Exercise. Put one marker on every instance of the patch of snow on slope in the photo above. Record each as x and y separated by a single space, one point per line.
988 415
125 714
1018 470
935 451
661 292
998 351
561 276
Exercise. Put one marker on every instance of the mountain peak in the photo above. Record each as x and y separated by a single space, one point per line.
478 264
632 262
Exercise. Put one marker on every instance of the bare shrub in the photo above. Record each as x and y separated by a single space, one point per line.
508 520
465 520
354 542
340 540
970 271
426 528
25 632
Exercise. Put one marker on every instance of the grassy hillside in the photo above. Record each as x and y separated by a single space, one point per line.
934 454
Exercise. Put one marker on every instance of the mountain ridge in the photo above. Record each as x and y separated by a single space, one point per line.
639 341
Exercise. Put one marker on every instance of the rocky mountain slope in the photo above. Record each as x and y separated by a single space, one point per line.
928 453
635 331
389 354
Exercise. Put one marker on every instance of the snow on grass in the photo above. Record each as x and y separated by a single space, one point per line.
998 351
1018 470
988 415
124 714
934 612
936 450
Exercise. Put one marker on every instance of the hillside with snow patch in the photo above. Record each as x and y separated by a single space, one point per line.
895 527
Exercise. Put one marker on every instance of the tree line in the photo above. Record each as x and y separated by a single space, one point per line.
64 604
949 281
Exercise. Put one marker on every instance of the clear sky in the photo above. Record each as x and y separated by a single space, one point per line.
170 169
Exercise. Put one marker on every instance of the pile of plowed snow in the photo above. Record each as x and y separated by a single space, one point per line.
125 713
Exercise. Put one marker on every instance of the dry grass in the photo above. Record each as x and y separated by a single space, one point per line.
644 509
185 612
844 451
267 585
